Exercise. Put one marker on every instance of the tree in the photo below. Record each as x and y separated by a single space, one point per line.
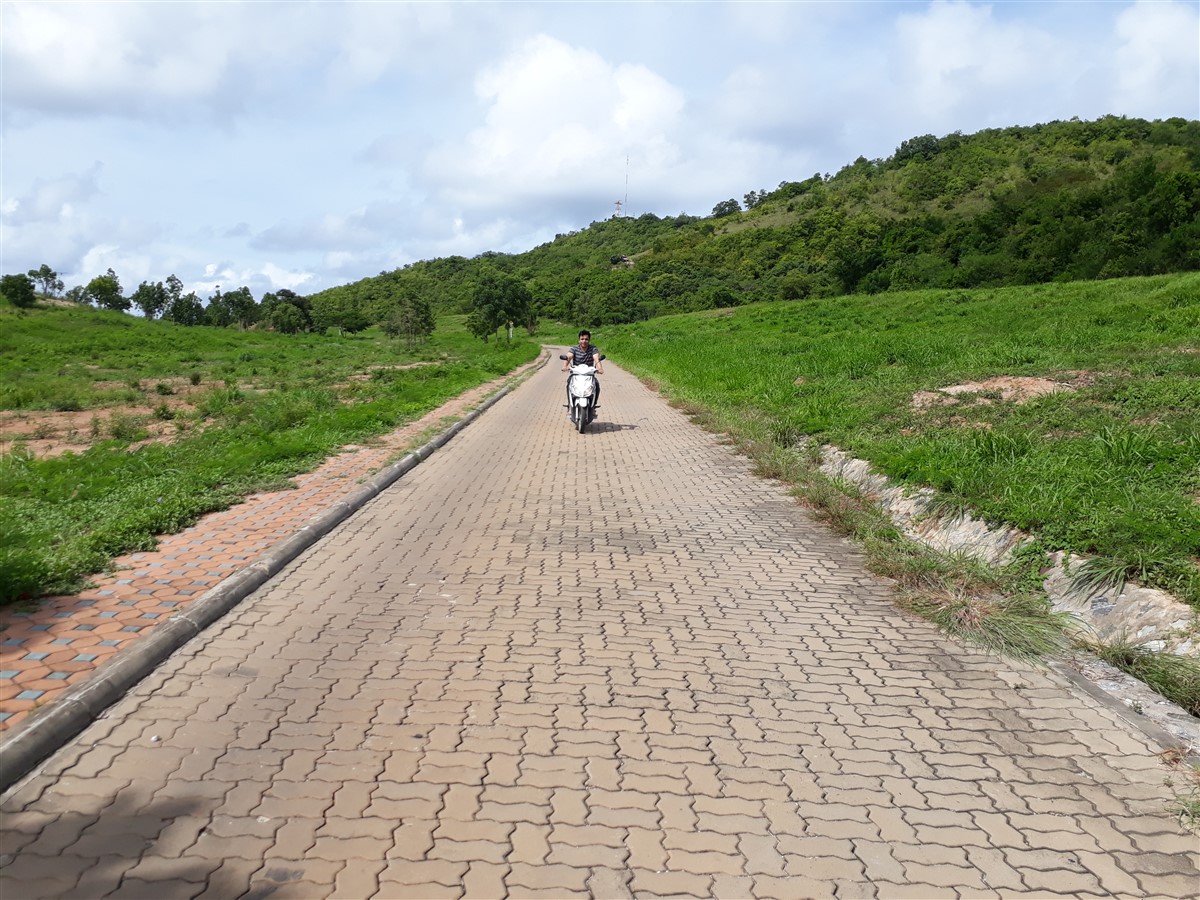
286 318
754 198
242 307
726 208
48 279
217 312
285 311
339 308
410 316
924 146
498 298
19 290
186 309
151 299
76 294
174 289
105 291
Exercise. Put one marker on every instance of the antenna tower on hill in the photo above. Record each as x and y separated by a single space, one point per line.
623 204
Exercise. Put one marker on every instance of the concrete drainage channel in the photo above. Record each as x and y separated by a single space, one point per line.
1154 618
37 737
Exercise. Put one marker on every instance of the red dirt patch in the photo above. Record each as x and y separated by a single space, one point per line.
366 376
1010 388
47 433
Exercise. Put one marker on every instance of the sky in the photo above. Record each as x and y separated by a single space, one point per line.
304 145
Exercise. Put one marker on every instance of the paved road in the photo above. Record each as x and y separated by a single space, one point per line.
551 665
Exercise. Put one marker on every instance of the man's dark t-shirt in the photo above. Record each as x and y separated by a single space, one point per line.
581 357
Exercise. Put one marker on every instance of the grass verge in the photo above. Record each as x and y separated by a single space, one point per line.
262 417
1100 458
1001 610
1186 785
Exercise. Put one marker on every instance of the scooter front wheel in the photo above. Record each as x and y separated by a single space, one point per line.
581 420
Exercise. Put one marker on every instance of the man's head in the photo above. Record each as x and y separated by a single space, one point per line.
585 338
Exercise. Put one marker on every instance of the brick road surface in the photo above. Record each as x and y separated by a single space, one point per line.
609 665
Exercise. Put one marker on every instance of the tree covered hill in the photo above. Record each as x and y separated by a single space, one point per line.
1060 201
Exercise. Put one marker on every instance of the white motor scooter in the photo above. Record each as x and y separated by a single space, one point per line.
582 390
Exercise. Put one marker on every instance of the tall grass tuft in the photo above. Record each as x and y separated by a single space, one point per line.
1175 677
1022 626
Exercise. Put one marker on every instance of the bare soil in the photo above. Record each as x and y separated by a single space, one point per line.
1015 389
47 433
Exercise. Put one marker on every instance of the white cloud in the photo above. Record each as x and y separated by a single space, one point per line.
359 229
52 199
131 268
259 279
957 55
375 38
214 61
110 57
339 139
1158 60
559 121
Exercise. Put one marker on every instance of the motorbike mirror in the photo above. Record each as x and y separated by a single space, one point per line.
602 356
562 356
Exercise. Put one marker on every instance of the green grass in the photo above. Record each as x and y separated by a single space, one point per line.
1110 469
1187 803
272 406
1176 678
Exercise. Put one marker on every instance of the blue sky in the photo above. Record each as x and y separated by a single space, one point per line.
304 145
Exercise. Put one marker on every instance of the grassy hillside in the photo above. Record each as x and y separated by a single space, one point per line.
1108 464
161 423
1060 201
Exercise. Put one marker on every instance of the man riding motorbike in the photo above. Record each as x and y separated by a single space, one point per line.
584 354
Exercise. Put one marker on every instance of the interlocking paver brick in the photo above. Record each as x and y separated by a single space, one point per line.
530 843
624 818
469 850
670 884
484 880
568 807
549 877
793 887
585 835
359 879
609 883
587 856
914 891
996 871
693 692
422 880
231 878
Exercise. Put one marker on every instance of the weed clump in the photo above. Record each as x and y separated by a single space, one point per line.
1022 626
1175 677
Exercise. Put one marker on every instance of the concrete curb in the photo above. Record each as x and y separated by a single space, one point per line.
40 735
1156 734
